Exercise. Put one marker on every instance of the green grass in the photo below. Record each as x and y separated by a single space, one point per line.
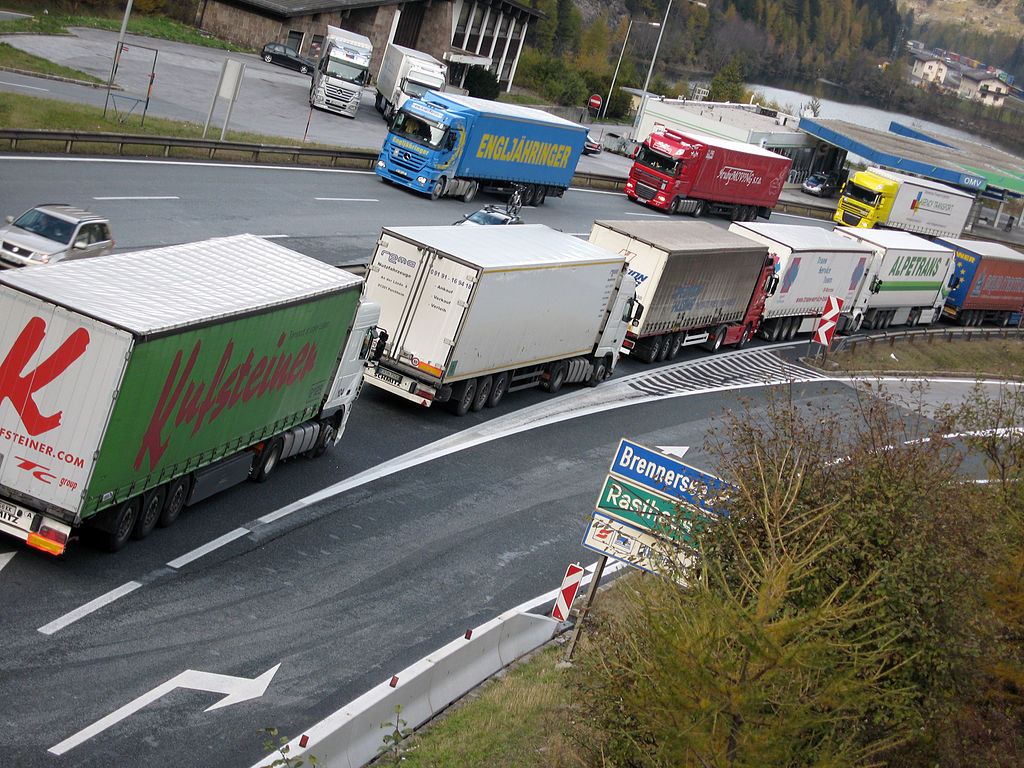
14 59
1002 358
150 26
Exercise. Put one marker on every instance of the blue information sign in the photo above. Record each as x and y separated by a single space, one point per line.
669 476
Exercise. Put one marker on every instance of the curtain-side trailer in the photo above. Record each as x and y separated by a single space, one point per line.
987 283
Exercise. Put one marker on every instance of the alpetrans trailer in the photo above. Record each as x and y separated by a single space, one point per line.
134 384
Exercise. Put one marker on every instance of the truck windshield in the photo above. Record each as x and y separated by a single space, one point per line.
657 160
861 195
417 88
417 129
346 70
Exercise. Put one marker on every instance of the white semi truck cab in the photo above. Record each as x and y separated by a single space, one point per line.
342 72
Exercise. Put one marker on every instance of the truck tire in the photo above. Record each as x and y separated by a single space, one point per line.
177 495
268 460
600 372
715 343
498 389
673 207
122 523
556 376
651 349
483 392
149 512
541 195
470 193
744 337
675 345
666 344
465 393
437 190
323 441
698 209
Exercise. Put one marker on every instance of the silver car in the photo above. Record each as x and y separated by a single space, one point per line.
53 232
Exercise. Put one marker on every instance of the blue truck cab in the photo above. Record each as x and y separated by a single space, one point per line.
449 144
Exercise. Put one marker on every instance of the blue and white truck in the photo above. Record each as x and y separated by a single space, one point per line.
449 144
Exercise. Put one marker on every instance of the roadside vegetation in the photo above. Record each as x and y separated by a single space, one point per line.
854 613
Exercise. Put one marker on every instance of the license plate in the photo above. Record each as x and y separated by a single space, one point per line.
12 515
389 377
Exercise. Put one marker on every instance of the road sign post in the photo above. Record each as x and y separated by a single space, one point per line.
585 608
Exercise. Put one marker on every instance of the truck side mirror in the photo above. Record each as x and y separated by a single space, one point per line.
771 285
634 311
449 142
876 285
373 345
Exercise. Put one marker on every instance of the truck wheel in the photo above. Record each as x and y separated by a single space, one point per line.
437 190
469 194
177 495
673 207
698 209
498 389
541 195
652 348
269 458
744 337
463 401
327 434
715 343
666 344
483 392
149 513
556 376
123 520
674 345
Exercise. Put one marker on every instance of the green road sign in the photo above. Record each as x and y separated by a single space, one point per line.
672 519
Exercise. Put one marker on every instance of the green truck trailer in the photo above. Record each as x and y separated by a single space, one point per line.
135 384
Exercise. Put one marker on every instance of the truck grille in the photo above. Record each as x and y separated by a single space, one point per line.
338 94
644 191
406 160
851 219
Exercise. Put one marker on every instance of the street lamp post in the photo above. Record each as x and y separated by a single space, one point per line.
650 69
616 74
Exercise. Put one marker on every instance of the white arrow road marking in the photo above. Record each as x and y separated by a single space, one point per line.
238 689
5 558
674 450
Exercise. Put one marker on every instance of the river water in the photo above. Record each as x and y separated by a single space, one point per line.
793 101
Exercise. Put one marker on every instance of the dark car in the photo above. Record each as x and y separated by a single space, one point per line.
277 53
820 184
490 214
591 146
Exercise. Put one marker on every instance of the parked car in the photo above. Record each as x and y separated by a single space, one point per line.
591 146
53 232
490 214
820 184
277 53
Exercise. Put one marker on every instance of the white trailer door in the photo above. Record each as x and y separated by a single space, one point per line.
437 316
391 281
59 376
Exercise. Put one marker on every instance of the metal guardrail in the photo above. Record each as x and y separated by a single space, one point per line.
928 335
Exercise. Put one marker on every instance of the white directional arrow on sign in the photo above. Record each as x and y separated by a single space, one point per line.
674 450
238 689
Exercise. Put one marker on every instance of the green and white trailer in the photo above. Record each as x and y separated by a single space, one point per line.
135 384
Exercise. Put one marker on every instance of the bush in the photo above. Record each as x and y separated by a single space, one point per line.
482 83
553 78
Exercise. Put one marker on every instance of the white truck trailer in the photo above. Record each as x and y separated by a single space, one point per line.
406 73
906 283
811 264
879 197
471 313
342 72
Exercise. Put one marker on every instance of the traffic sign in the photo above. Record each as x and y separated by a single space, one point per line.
670 477
668 518
621 541
595 102
567 592
829 320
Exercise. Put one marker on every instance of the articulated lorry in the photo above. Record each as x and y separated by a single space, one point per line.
987 284
449 144
881 198
812 264
472 313
906 282
406 73
698 284
342 72
694 173
135 384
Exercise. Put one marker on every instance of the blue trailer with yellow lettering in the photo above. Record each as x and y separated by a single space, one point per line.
449 144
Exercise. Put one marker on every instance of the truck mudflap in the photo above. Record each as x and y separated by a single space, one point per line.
398 383
35 529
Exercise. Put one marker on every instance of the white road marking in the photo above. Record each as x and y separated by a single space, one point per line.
217 543
141 197
348 199
19 85
90 607
5 558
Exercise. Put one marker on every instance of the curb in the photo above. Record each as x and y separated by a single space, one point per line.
59 78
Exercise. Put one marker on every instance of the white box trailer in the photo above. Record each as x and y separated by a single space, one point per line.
811 264
906 283
406 73
474 312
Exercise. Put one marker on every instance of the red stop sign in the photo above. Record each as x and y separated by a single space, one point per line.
595 102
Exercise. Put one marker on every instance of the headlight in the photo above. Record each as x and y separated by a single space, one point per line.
380 163
421 180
